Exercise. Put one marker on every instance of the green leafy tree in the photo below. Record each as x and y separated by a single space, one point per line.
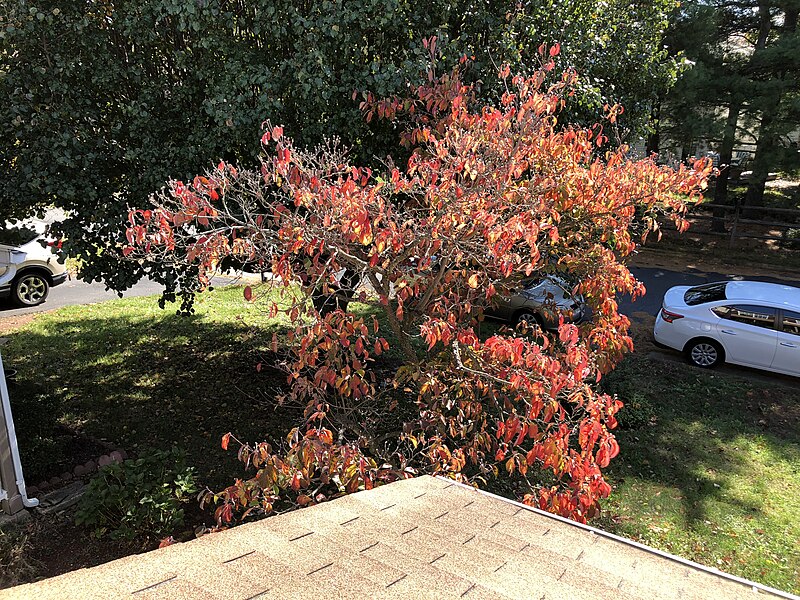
102 102
775 67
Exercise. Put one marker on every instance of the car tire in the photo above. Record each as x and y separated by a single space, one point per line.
529 318
30 289
705 353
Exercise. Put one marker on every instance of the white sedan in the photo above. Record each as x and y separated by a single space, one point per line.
746 323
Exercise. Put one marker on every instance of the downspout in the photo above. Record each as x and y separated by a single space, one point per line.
12 440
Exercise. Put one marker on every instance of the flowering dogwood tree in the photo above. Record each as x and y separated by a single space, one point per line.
492 196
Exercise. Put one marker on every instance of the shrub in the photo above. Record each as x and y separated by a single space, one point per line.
790 238
140 497
492 196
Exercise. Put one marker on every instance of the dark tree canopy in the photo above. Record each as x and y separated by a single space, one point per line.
745 80
103 101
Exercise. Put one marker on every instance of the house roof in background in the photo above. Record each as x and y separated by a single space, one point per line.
418 538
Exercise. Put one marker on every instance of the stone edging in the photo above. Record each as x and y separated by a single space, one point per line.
79 472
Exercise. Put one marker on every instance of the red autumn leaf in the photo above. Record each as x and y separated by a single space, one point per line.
325 436
248 293
297 480
225 440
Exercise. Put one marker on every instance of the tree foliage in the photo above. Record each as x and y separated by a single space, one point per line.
103 101
492 195
744 82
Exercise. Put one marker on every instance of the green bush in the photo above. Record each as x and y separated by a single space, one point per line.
140 497
790 238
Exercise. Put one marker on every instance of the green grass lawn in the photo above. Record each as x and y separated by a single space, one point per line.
138 376
709 468
774 197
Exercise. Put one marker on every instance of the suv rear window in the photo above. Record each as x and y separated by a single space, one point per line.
708 292
17 236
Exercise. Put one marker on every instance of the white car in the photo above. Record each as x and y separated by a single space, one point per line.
28 270
746 323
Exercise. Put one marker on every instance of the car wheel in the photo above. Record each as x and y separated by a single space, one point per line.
705 354
30 289
529 319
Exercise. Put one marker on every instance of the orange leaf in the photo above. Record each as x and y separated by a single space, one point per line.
226 440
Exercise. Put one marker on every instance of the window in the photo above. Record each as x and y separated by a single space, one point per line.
708 292
750 314
791 322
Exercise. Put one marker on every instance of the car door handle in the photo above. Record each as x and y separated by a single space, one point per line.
728 331
788 345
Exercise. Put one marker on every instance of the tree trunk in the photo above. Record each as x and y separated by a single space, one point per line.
763 160
397 328
654 137
725 157
767 134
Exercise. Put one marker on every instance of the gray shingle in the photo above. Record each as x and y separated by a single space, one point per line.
420 538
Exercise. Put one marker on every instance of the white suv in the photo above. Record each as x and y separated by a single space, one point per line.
28 270
741 322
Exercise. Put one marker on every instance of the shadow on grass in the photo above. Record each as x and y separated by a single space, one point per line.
710 472
704 432
145 380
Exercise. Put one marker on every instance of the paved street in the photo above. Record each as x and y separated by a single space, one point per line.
75 291
658 281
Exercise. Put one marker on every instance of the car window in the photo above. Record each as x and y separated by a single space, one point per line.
549 290
17 236
708 292
791 322
750 314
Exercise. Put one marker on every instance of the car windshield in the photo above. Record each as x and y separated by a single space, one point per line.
708 292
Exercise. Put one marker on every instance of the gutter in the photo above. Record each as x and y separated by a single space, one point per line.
12 440
755 587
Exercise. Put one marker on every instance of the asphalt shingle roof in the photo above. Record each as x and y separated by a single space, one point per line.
418 538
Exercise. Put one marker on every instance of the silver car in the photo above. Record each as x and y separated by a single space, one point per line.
542 302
